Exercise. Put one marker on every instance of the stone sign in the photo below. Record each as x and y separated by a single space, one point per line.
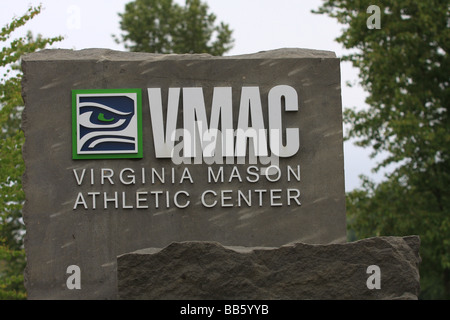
125 151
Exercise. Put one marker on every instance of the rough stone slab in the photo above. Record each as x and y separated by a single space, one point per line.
59 236
99 55
208 270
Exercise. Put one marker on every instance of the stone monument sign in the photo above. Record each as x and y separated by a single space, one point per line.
126 151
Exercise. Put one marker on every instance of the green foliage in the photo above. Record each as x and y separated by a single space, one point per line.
162 26
12 264
404 67
12 257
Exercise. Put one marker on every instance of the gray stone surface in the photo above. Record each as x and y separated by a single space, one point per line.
208 270
59 235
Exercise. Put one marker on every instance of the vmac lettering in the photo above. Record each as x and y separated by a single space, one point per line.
215 143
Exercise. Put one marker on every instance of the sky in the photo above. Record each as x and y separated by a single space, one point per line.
258 25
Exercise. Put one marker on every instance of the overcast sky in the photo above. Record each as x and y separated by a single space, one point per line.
257 25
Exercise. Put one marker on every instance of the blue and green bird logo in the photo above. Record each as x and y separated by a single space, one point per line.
107 124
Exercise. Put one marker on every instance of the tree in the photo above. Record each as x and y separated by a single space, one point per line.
404 67
162 26
12 257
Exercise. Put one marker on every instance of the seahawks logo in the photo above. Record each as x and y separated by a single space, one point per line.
107 124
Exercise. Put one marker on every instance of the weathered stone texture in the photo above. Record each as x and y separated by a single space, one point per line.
208 270
61 232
